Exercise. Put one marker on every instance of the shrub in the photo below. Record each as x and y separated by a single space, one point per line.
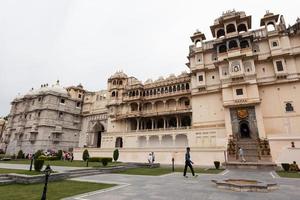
285 166
105 161
20 155
2 156
38 164
85 155
60 154
48 158
37 154
13 156
116 155
217 164
95 159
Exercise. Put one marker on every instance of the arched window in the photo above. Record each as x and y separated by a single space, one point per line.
120 82
222 48
182 87
119 142
113 94
220 33
233 44
116 93
270 26
289 107
151 92
198 43
114 82
174 88
170 89
187 86
230 28
244 44
162 90
242 28
178 87
274 44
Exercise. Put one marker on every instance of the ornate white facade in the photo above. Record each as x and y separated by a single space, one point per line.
242 89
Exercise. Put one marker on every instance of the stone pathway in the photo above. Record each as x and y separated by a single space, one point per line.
26 167
176 187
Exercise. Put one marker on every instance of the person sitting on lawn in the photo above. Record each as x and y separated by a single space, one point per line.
294 167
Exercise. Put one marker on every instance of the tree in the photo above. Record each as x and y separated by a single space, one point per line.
85 155
20 155
116 155
59 154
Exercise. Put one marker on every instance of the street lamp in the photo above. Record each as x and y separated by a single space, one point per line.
47 172
32 158
87 161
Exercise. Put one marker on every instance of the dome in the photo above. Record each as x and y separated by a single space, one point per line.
135 81
45 88
161 78
119 74
184 73
148 81
171 76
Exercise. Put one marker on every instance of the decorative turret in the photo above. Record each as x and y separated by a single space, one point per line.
197 38
231 22
269 21
116 84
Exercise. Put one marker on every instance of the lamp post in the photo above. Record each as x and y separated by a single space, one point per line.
32 158
47 172
173 164
87 161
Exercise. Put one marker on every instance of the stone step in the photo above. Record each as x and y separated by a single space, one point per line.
4 178
6 182
73 175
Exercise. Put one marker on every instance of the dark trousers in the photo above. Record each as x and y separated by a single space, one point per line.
190 166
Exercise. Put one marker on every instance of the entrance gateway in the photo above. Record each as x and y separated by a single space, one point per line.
245 135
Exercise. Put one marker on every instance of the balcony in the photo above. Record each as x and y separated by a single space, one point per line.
155 112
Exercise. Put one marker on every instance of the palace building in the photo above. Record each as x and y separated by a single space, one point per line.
242 89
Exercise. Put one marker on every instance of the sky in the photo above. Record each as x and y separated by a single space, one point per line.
86 41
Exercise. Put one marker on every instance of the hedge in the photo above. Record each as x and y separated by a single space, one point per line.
99 159
49 158
38 164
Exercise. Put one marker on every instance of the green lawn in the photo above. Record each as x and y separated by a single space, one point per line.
288 174
18 171
75 163
56 190
164 170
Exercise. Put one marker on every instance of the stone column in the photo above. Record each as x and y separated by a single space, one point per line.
152 124
164 123
147 140
177 121
173 138
137 124
177 104
159 139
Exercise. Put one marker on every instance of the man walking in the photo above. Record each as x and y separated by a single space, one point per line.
188 162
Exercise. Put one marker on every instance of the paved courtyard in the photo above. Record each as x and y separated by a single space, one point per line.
174 186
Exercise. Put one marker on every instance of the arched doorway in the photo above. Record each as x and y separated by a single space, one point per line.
244 129
98 129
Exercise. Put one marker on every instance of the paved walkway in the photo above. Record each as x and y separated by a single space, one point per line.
176 187
26 167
